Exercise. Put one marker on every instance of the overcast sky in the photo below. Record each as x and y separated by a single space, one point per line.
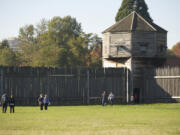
94 15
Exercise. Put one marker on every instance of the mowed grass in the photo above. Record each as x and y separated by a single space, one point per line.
156 119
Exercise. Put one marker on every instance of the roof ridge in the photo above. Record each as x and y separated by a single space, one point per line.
132 23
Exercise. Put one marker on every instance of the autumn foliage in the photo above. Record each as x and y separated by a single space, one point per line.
176 49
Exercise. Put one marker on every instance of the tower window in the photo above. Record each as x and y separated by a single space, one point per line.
143 47
120 49
162 48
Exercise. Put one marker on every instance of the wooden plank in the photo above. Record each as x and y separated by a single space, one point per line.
167 77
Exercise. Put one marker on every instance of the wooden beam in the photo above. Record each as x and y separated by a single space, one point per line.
176 97
65 75
167 77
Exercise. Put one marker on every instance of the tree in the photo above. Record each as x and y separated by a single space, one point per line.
28 44
95 51
7 57
27 34
60 30
78 51
176 49
57 43
4 44
127 7
42 27
170 53
46 56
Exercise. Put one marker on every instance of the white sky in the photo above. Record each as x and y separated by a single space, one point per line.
94 15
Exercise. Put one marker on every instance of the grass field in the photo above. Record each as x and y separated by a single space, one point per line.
156 119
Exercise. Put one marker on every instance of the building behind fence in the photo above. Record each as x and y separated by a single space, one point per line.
84 86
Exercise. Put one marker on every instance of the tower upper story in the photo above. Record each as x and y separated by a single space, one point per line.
133 36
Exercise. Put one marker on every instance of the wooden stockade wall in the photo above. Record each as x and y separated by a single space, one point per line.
161 85
63 85
69 86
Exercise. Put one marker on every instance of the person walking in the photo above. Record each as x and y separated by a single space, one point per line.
46 102
111 98
103 98
4 102
11 104
40 101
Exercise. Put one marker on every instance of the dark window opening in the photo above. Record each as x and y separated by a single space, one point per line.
143 47
162 48
136 95
120 49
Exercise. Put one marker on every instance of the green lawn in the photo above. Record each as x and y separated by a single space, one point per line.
156 119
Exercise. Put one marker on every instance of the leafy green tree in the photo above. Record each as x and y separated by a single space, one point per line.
95 51
57 43
28 44
42 27
46 56
7 57
4 44
127 7
62 29
42 33
78 51
27 34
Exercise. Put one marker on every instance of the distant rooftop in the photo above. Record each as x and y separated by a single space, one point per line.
14 43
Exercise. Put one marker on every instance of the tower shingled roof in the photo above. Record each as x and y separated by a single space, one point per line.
134 22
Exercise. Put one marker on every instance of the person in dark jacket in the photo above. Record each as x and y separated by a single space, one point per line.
40 101
104 96
46 102
11 104
4 102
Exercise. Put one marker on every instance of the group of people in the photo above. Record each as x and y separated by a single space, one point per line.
106 97
43 101
5 101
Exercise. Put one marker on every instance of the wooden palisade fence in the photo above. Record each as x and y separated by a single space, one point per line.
84 86
63 85
161 85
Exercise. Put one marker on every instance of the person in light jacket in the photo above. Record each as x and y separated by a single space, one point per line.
104 96
4 102
111 98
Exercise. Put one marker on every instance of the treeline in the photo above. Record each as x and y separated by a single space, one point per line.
59 42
